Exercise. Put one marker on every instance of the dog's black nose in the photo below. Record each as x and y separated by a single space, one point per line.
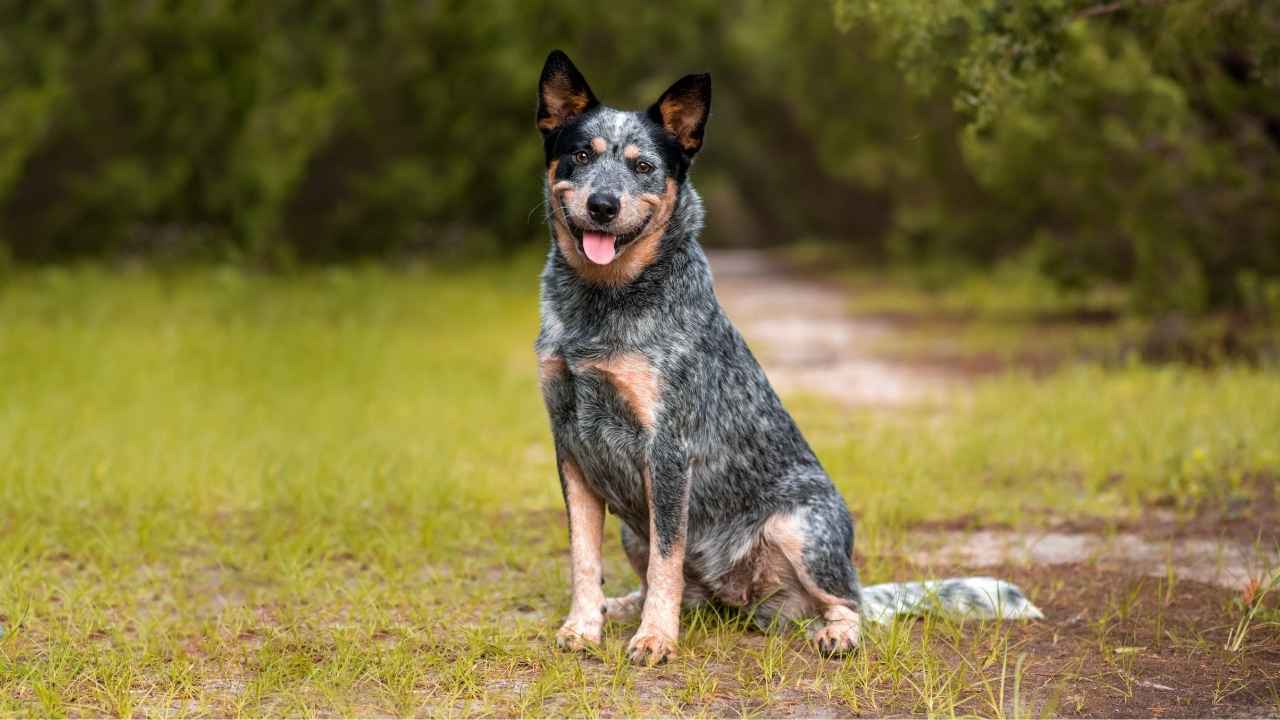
602 207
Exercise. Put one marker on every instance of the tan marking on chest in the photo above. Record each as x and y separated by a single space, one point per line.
635 379
551 367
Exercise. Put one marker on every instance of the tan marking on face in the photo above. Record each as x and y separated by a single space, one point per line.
551 172
586 525
633 210
564 238
562 194
632 259
631 152
599 145
636 380
664 584
639 253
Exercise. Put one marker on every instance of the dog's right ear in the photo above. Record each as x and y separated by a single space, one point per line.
563 93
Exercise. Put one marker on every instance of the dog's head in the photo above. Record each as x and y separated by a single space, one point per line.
613 177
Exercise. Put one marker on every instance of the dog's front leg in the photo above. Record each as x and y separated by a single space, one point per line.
667 487
586 524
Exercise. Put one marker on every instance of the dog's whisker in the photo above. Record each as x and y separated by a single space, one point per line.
535 209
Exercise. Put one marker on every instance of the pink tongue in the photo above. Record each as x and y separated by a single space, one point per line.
599 247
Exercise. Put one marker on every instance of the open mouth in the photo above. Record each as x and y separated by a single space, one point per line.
600 247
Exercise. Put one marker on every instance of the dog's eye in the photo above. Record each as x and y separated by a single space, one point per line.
582 157
644 168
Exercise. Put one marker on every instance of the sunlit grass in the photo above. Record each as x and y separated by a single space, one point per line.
228 494
1083 440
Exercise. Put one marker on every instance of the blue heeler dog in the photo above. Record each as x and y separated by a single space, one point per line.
662 416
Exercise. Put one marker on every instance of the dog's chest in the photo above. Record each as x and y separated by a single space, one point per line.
603 410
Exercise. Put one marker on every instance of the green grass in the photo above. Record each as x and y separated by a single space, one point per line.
1083 440
333 493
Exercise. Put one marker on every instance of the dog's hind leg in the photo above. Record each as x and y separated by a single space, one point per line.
841 633
624 607
816 542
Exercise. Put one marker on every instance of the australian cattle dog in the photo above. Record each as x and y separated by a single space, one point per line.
662 416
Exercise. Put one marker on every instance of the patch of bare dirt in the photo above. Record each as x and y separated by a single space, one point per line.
1219 562
802 330
1227 543
1112 644
1251 519
808 341
1116 645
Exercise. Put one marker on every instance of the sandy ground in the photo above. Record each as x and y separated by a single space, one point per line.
1212 561
808 341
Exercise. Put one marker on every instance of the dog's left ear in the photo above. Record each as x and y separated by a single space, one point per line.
682 111
563 93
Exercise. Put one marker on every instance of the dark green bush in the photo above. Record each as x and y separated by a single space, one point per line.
1134 143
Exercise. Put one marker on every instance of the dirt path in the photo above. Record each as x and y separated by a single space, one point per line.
1223 563
808 341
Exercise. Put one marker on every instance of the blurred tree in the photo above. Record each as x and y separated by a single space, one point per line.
1136 141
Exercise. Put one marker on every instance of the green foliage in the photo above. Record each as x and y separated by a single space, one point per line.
1125 141
33 90
1131 143
144 126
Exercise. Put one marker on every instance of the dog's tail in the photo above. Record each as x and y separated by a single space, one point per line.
981 598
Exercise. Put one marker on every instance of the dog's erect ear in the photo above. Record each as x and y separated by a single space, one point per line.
563 93
682 110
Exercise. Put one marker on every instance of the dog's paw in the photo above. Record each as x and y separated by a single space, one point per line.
837 638
622 608
577 638
651 648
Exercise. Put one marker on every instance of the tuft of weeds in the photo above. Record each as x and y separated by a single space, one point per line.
1251 602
